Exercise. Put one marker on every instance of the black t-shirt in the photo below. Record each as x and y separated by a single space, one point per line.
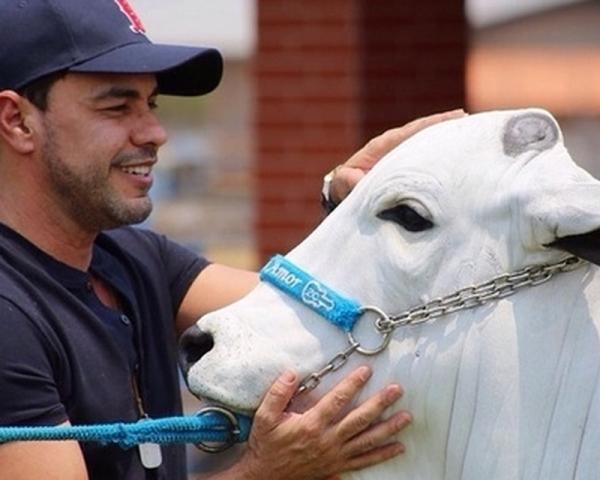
65 356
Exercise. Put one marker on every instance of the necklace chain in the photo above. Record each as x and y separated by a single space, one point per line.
472 296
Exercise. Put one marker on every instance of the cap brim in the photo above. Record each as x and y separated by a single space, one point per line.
185 71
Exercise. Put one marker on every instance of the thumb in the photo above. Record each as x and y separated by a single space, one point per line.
344 182
271 409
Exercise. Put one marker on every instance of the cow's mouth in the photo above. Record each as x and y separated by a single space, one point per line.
210 395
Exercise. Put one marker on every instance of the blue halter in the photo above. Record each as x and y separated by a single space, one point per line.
303 287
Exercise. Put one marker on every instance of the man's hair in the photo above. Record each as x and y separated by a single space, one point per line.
37 91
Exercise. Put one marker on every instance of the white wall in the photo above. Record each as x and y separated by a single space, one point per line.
228 25
485 12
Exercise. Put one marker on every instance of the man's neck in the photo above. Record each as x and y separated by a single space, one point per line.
29 206
62 240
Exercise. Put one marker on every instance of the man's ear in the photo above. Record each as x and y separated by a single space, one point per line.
17 122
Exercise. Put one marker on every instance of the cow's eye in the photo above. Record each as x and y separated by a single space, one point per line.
406 217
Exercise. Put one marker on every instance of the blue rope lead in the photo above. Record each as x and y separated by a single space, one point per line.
208 427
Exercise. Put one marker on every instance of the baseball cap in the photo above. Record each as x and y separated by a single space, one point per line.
39 37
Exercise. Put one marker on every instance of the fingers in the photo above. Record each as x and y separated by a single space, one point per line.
314 444
378 435
402 133
389 139
373 457
345 180
269 413
365 414
338 398
364 159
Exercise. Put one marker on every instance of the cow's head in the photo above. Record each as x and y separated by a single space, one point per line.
456 204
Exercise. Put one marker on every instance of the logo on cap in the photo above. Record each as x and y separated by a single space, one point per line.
136 25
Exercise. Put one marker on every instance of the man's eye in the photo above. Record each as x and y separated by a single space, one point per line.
117 108
153 104
406 217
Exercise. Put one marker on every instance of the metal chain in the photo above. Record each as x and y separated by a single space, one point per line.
476 295
313 380
472 296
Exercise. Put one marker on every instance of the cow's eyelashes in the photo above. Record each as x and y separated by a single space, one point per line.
406 217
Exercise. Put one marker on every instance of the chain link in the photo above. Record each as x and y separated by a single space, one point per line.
476 295
472 296
313 380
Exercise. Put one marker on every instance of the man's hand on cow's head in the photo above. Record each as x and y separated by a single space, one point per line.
318 444
349 173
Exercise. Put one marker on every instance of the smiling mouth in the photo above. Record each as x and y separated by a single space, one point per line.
141 170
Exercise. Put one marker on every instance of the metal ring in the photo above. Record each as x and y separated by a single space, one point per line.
386 337
234 430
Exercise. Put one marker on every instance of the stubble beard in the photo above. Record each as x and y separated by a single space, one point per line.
87 197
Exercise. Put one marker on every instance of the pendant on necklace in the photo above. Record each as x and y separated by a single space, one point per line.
150 455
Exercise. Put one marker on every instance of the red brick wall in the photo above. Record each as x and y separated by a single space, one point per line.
330 74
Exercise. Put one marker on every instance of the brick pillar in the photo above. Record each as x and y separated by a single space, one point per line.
330 75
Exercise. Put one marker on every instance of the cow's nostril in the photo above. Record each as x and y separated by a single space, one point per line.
193 344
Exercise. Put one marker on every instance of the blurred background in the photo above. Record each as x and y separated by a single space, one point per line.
307 82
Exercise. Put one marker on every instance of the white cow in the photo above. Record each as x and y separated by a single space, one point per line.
508 390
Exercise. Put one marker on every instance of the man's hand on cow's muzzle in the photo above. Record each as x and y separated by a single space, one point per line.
318 444
349 173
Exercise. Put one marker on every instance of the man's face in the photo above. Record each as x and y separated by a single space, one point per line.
101 141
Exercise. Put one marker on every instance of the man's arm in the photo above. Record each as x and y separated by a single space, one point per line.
25 391
215 287
61 460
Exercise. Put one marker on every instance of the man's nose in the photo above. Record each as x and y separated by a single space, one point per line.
193 344
149 131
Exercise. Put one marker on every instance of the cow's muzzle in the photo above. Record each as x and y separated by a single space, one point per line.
193 345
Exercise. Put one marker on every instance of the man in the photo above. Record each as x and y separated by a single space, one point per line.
90 308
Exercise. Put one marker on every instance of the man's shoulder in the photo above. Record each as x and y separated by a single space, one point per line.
147 246
16 272
20 298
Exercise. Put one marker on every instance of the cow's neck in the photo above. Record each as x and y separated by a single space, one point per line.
495 369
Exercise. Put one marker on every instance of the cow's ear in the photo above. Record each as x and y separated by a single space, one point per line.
584 245
534 130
